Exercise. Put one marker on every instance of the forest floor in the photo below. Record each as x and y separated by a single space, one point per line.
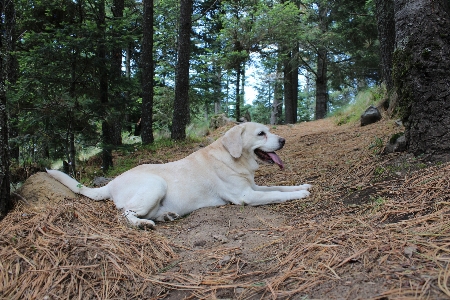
375 227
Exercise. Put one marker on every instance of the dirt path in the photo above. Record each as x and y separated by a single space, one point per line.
374 227
240 244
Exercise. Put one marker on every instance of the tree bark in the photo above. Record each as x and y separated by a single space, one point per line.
288 91
237 111
217 89
5 199
277 97
117 101
386 35
70 145
147 74
181 116
242 94
294 80
12 73
103 89
322 69
421 74
70 135
107 147
321 85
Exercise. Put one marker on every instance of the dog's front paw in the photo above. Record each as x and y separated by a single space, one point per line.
304 187
302 194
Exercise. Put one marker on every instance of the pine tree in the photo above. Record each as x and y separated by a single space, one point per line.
6 28
147 74
181 115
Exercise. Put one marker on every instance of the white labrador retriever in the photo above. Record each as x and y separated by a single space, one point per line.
215 175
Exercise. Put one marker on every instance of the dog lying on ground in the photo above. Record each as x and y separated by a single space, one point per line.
220 173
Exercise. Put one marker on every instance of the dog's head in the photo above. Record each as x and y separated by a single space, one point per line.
255 140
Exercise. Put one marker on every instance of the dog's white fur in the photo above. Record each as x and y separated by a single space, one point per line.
215 175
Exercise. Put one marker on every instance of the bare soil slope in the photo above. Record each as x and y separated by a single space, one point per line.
375 227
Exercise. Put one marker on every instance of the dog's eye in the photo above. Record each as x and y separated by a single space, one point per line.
261 133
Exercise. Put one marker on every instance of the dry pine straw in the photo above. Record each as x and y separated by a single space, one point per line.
77 249
391 230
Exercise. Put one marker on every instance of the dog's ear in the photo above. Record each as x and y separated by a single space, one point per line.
232 141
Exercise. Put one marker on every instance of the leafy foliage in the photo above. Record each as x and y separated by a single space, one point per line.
56 104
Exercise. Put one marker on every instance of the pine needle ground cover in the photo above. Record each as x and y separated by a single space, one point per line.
375 227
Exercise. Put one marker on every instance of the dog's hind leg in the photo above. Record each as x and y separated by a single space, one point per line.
134 219
142 200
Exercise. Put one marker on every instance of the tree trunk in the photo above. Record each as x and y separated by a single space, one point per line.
242 93
278 93
128 57
70 145
321 85
70 137
5 199
237 112
277 97
107 147
421 74
294 80
322 68
12 73
217 89
103 89
181 116
386 35
147 74
72 154
288 91
117 102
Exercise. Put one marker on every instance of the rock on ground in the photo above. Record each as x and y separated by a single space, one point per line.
41 189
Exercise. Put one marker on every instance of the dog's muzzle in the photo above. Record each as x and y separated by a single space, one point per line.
271 157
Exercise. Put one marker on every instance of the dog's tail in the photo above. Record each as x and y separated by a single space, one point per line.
76 187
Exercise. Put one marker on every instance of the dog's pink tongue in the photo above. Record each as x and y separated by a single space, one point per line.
276 159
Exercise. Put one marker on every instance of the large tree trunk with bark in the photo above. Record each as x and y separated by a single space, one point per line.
422 74
5 199
147 74
181 116
386 35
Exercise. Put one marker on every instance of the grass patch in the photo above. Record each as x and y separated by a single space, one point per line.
377 145
352 112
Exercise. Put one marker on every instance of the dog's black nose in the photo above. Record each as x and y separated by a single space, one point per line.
281 141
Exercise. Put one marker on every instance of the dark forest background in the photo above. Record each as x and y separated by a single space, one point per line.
87 73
